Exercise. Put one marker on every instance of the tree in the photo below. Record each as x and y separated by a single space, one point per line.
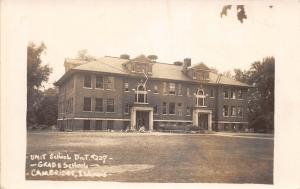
48 109
261 75
37 74
228 74
84 55
153 57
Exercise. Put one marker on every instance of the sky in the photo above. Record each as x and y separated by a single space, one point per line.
172 30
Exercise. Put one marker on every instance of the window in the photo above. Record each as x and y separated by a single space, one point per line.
226 93
200 98
240 94
164 108
141 95
240 111
87 104
110 83
99 82
110 105
110 124
179 89
155 89
188 111
155 109
232 94
225 110
127 108
165 88
211 94
172 88
233 111
179 109
171 108
99 125
87 81
71 105
126 87
99 105
86 125
187 91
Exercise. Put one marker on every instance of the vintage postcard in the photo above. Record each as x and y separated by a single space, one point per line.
148 91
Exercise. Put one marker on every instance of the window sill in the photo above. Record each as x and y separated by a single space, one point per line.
127 91
110 112
87 87
102 89
87 111
155 93
99 112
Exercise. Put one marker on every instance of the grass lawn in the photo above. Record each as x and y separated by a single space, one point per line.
144 157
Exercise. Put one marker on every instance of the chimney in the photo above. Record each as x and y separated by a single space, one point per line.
187 62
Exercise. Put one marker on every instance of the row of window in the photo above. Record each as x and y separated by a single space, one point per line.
108 82
233 94
232 111
102 82
99 104
98 125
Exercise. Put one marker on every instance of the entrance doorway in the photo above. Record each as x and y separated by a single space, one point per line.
142 119
203 121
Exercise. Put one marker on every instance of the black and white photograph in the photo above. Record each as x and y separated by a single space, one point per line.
145 91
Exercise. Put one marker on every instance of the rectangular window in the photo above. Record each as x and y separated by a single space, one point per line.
110 105
126 87
165 88
109 83
172 108
225 110
71 105
172 88
110 124
232 94
98 124
155 89
164 108
155 109
211 94
99 82
240 111
87 104
179 111
87 81
86 125
179 89
127 108
188 111
232 111
240 94
200 101
99 105
187 91
226 93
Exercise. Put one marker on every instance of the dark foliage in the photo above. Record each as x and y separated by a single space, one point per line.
261 97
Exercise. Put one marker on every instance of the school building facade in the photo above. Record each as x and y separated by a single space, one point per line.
120 93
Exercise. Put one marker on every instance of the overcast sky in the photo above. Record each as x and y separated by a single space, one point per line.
172 30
